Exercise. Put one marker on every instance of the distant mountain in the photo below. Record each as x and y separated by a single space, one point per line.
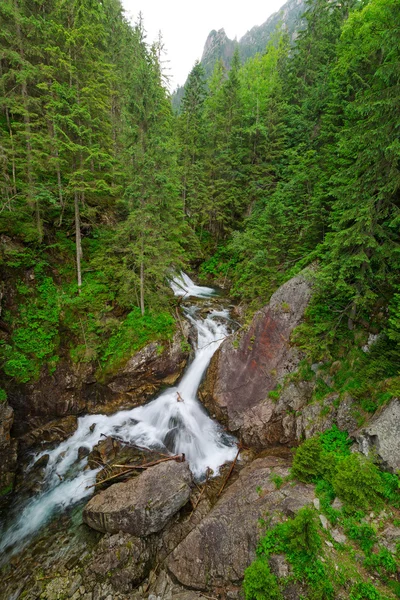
219 46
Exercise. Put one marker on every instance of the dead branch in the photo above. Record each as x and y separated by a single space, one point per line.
130 468
230 471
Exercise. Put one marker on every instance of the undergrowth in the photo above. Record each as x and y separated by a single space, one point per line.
326 461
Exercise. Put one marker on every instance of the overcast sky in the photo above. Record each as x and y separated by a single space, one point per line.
185 25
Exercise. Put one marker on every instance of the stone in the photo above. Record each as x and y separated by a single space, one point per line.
390 537
144 504
124 559
337 504
53 432
317 503
8 450
382 436
217 551
249 365
279 565
339 537
324 521
74 389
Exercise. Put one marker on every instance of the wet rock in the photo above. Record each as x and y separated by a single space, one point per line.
124 559
53 432
83 452
151 368
249 365
216 553
76 388
382 436
104 452
143 505
8 450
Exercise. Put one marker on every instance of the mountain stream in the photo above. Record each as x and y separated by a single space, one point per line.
174 422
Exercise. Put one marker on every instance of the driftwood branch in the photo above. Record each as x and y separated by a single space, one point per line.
131 468
230 471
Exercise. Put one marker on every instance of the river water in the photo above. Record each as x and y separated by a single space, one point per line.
174 422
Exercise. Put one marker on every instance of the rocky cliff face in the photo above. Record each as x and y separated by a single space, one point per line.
8 449
249 365
74 389
219 46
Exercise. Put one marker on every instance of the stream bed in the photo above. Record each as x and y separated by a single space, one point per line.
174 423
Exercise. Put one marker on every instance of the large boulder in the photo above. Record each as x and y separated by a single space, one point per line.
8 450
382 436
143 505
216 553
249 365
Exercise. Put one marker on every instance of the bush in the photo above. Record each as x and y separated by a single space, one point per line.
382 562
358 483
362 533
302 534
259 583
364 591
308 463
334 440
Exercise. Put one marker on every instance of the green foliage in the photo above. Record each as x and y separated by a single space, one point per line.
365 591
391 485
3 395
259 583
34 341
358 483
307 463
334 440
132 334
362 533
382 562
277 480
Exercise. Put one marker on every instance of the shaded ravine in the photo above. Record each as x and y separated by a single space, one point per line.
174 422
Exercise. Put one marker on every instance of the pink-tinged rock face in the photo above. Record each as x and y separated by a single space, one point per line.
249 365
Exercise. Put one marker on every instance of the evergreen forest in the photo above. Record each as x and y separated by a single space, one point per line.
289 160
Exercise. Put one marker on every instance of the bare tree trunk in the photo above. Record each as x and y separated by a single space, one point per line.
142 281
27 121
78 241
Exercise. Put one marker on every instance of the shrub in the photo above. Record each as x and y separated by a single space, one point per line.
364 591
302 534
308 461
382 562
259 583
391 485
358 483
362 533
334 440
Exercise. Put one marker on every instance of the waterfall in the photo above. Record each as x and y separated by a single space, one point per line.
174 422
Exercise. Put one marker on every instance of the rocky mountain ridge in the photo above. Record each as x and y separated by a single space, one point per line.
219 46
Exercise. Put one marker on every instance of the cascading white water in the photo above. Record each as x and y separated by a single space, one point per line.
174 422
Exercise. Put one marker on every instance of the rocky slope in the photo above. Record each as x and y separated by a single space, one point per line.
249 365
219 46
159 535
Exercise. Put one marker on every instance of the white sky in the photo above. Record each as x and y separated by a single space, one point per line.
185 25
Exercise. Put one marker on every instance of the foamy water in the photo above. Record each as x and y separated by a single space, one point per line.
175 422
